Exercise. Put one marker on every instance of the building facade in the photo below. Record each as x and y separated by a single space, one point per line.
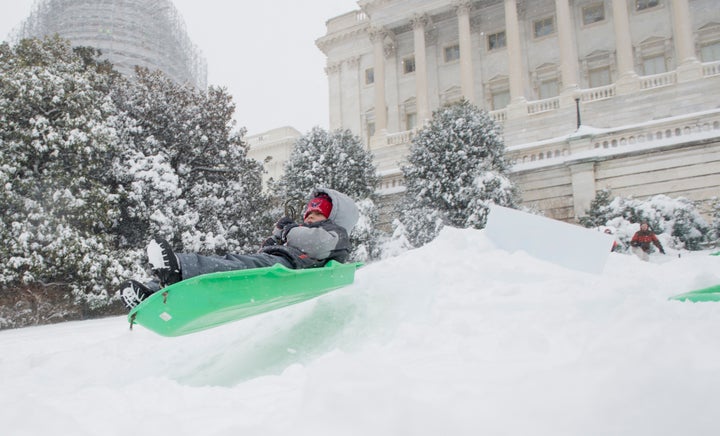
645 74
129 33
272 149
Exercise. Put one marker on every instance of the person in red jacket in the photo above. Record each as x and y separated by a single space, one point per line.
641 241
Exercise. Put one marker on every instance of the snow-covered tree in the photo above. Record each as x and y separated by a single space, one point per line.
188 176
600 211
58 140
677 220
456 169
335 160
716 221
93 165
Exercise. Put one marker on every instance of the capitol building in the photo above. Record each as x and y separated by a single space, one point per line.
129 33
590 94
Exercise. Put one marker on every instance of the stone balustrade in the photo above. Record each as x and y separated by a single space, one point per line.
545 105
711 68
658 80
599 93
676 129
499 116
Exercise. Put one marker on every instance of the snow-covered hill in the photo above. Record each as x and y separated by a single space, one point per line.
455 338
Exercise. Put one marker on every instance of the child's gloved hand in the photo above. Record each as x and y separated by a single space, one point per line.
282 227
287 229
272 240
282 222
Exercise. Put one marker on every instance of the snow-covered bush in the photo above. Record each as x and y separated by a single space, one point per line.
456 169
365 237
58 141
336 160
187 176
397 243
675 220
93 165
716 221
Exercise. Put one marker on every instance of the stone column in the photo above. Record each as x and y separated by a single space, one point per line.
421 85
628 81
568 56
334 94
377 36
351 82
518 103
391 89
583 186
465 40
688 65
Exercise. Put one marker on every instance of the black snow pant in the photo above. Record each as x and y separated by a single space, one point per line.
192 265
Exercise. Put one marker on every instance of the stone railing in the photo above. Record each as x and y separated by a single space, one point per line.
653 133
599 93
548 104
391 181
660 131
548 151
711 68
345 21
499 116
401 137
658 80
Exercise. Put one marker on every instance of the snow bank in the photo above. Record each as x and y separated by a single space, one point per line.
458 337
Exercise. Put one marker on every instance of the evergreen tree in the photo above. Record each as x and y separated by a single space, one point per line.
58 142
335 160
456 169
600 211
188 176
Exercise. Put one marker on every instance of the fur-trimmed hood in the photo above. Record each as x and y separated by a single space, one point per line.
344 211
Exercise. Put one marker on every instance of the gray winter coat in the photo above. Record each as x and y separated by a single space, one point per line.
310 245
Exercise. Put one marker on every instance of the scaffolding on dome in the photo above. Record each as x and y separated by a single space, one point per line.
129 33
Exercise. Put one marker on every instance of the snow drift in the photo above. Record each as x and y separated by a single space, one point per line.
458 337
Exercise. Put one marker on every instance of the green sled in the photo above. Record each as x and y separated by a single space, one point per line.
210 300
707 294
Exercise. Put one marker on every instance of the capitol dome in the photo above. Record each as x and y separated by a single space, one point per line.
129 33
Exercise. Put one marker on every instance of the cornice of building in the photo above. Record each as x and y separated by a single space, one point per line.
342 28
383 14
371 5
326 42
273 137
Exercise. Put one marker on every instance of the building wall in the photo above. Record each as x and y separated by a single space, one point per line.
272 149
690 170
627 44
675 156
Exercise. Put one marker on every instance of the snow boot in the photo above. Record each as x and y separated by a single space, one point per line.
164 262
133 292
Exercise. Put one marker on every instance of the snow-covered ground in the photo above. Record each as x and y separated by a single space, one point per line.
456 338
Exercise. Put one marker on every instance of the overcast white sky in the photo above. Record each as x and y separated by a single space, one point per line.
263 51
